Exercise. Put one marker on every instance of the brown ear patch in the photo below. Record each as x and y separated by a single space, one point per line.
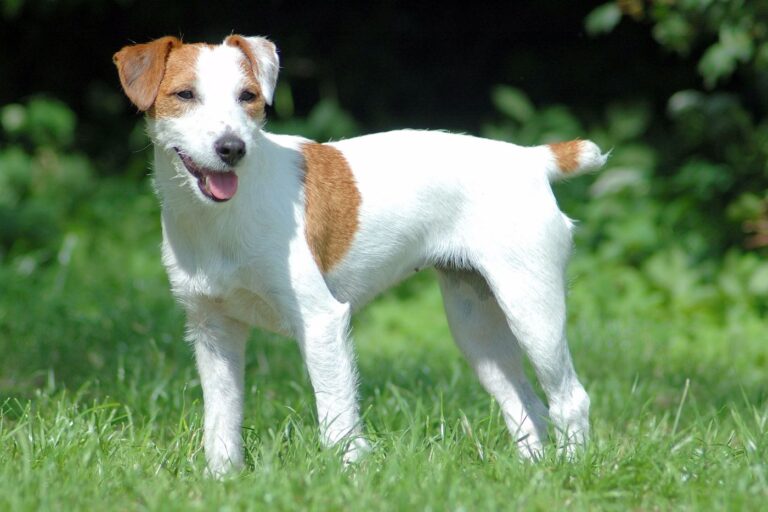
180 75
332 202
250 67
242 44
567 155
141 68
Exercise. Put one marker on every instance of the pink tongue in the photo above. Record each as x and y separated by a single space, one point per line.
222 185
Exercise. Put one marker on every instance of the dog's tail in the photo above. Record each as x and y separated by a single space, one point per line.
566 159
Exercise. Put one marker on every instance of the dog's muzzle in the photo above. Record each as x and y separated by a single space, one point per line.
216 185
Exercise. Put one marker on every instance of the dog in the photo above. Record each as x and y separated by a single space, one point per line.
290 235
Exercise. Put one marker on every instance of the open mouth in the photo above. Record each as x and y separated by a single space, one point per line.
216 185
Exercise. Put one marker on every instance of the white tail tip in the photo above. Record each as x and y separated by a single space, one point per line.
573 158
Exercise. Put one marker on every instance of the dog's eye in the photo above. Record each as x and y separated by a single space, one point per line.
185 94
246 97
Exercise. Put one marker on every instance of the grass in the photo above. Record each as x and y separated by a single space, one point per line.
100 406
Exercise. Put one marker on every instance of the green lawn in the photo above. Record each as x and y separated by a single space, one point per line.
101 406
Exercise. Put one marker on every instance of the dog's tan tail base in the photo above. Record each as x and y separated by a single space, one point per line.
573 157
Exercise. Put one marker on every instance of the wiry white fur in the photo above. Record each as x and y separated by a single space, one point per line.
481 211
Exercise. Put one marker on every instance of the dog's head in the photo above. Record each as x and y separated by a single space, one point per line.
204 103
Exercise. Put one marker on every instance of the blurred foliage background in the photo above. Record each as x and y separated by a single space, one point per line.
676 89
99 400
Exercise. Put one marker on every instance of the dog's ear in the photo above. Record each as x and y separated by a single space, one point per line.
262 55
141 68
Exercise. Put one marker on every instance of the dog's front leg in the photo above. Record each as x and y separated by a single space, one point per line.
327 351
219 344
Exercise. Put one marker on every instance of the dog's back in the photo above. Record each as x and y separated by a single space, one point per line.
433 198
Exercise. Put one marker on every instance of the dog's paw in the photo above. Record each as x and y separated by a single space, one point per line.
530 449
572 443
222 469
357 449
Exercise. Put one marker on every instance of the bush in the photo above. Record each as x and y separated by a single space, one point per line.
42 179
647 220
718 161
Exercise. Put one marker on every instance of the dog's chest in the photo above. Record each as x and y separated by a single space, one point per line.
238 293
214 272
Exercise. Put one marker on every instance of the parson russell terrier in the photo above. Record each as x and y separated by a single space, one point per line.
292 236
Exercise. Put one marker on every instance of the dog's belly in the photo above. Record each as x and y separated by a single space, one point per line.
357 279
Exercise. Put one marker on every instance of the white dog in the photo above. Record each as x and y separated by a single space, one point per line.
292 236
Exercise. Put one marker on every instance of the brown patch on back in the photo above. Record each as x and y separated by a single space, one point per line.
141 68
180 75
250 69
332 202
567 155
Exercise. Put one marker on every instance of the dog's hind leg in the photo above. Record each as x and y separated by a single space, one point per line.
481 331
532 296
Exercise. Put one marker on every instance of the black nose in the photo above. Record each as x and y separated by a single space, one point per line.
230 148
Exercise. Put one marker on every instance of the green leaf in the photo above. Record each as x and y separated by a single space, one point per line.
50 122
747 206
758 283
703 179
720 59
12 118
674 32
685 101
628 121
328 120
602 19
283 103
513 103
716 63
737 42
15 173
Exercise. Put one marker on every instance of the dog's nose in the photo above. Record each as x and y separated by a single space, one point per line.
230 148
